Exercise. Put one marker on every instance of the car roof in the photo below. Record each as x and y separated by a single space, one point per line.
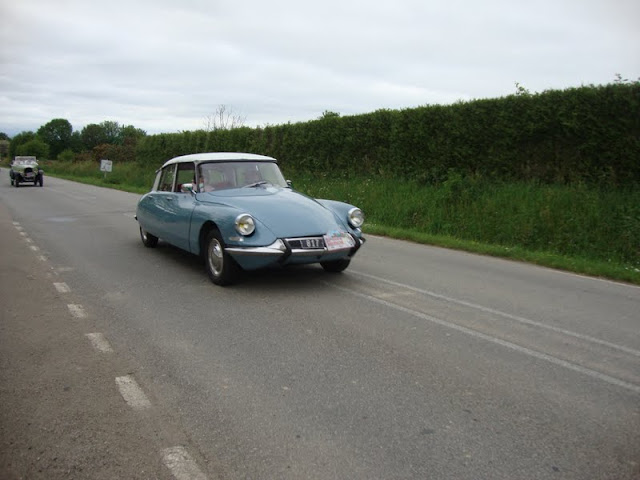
219 157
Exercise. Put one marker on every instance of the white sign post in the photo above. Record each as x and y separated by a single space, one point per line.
105 166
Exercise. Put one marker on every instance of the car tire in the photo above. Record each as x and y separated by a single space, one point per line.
148 240
221 267
16 182
336 266
40 180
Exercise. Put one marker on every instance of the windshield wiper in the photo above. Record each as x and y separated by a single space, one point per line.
257 184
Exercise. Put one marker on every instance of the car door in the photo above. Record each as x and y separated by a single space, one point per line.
155 212
182 205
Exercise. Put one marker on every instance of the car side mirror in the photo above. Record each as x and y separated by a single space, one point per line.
289 184
186 187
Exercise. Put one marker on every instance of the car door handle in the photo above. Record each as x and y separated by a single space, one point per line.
169 199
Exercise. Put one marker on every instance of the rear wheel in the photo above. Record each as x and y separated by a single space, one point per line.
221 268
148 240
336 266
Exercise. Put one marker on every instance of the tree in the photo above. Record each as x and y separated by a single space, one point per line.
112 132
131 134
93 135
223 119
329 114
35 147
19 139
4 136
4 148
57 134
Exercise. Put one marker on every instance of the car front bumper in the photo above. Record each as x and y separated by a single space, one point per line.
287 251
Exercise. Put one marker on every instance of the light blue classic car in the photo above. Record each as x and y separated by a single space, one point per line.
238 212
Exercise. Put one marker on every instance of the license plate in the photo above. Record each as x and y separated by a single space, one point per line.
308 243
28 174
338 241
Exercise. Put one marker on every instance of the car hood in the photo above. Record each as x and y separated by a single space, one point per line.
285 212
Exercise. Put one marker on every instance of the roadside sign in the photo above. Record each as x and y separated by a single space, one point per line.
105 165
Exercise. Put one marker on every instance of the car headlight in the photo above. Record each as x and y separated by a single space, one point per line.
245 225
356 217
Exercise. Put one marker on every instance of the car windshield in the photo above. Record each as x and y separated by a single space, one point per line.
225 175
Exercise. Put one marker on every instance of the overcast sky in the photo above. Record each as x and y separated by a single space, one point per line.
166 65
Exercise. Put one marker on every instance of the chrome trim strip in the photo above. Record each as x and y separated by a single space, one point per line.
255 251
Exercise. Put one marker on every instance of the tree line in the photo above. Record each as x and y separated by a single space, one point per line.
57 140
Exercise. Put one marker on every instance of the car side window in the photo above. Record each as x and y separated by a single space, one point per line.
186 174
167 178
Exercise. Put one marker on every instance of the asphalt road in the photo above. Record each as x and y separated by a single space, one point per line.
416 362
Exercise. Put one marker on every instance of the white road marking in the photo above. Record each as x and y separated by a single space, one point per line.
17 224
131 392
99 342
23 233
527 351
34 248
182 466
61 287
42 258
77 310
516 318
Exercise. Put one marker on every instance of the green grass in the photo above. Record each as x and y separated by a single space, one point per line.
576 228
592 231
129 177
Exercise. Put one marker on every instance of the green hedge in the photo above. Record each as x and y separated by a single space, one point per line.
588 134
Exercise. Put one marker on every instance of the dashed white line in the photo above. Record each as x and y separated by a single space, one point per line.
99 342
61 287
77 310
182 466
34 248
131 392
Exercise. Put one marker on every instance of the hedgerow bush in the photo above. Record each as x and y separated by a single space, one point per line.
587 134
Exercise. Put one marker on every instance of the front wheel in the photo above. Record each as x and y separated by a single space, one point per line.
148 240
221 268
40 180
336 266
16 182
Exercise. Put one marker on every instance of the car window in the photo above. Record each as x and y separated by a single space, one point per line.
167 178
186 174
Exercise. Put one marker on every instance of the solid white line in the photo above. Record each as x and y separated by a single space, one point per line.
516 318
131 392
77 311
532 353
182 466
99 342
61 287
